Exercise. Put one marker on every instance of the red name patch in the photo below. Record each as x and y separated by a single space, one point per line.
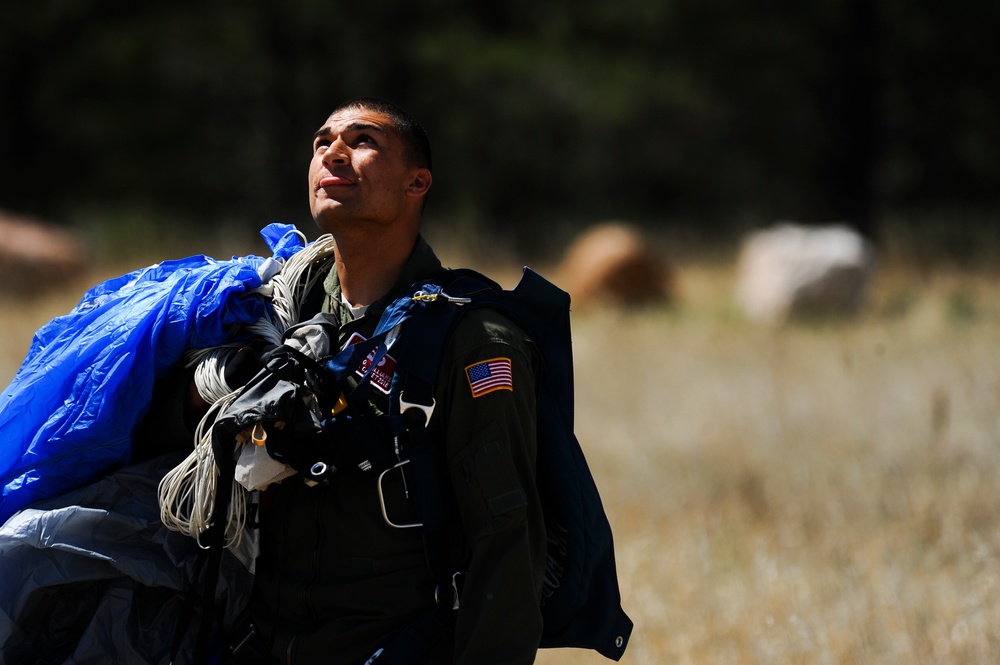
381 376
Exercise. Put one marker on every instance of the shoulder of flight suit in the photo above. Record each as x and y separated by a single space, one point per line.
490 442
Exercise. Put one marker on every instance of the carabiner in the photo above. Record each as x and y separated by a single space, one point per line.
427 296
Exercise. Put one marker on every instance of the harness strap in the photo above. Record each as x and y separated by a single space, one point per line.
425 470
419 358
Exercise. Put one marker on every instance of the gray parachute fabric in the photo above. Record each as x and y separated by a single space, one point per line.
94 577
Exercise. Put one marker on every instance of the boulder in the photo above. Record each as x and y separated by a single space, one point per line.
614 264
36 257
790 271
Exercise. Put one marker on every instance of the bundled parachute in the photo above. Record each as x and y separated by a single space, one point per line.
68 415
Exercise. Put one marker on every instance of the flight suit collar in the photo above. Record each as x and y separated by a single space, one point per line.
423 263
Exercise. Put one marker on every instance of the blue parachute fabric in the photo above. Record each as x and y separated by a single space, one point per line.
67 417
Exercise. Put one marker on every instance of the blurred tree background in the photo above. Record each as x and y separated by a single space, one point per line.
703 117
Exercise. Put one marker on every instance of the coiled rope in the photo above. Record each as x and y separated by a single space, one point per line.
187 493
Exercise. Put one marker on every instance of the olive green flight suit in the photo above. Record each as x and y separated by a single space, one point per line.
334 582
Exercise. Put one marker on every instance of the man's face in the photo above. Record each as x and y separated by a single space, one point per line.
359 171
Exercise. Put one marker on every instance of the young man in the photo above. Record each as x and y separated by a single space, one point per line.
335 582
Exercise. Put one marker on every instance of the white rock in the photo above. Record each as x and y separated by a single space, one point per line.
790 270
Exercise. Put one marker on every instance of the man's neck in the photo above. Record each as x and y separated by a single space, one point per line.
368 269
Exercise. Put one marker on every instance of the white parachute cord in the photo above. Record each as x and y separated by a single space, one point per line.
210 372
187 492
289 288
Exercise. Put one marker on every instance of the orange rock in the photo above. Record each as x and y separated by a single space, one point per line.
613 264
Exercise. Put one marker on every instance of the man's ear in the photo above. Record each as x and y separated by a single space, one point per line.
420 183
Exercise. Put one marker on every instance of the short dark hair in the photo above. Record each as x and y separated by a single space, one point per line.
414 136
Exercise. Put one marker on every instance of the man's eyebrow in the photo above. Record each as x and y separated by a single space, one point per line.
356 126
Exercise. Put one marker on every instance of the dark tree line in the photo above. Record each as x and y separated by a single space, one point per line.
709 114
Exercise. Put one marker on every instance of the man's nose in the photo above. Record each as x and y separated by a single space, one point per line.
337 152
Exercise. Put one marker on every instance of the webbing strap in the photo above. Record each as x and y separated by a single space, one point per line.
386 333
419 357
425 471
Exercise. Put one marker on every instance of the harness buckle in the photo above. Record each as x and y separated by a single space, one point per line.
427 410
454 590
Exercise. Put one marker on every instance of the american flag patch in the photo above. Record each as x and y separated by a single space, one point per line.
489 375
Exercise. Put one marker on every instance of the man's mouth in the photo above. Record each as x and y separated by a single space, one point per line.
334 181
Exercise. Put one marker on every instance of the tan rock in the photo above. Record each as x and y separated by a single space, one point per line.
36 256
614 264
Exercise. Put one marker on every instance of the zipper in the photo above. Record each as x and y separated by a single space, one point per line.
246 638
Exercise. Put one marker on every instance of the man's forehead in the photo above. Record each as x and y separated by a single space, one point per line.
354 117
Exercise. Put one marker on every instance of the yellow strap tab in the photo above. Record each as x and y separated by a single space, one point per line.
259 435
340 405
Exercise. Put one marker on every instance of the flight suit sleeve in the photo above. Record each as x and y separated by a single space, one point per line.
490 435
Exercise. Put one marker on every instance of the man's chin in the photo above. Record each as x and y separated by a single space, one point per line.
329 215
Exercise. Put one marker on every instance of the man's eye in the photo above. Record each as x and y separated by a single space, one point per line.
321 143
365 138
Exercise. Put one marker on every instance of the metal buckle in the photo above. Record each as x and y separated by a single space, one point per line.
454 590
428 296
381 499
424 296
428 410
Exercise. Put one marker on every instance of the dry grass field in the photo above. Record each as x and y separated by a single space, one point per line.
818 493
